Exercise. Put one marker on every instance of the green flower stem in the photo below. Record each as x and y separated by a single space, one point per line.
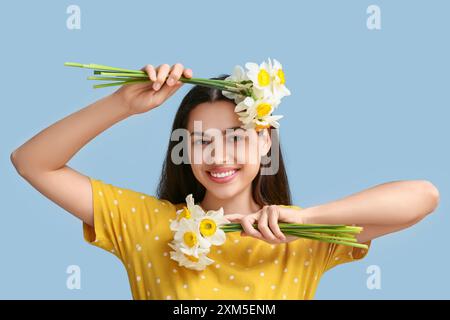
122 74
339 234
111 84
128 75
100 67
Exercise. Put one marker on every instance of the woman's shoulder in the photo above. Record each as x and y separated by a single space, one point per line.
116 194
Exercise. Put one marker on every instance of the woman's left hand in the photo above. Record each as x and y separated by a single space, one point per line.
267 220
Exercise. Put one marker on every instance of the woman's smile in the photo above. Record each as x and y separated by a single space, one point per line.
222 175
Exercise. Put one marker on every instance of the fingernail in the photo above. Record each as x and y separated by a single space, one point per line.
170 81
156 85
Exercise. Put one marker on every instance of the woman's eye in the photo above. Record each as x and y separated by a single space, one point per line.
201 142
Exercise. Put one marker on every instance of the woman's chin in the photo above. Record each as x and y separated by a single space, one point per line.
223 192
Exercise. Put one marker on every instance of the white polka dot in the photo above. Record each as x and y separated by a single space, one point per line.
112 250
232 263
119 238
285 270
249 250
115 202
276 261
310 250
337 258
294 253
158 280
138 247
216 289
306 263
284 296
217 266
175 270
111 214
272 246
100 194
119 191
219 251
295 279
202 276
165 254
231 277
156 210
315 277
168 298
133 210
148 293
197 298
185 285
273 287
246 288
156 238
261 260
142 197
146 227
261 274
236 240
138 278
149 265
124 225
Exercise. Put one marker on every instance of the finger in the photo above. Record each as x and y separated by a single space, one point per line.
175 74
273 223
249 229
187 73
165 92
150 70
163 71
263 226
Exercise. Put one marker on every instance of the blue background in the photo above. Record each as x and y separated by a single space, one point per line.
367 106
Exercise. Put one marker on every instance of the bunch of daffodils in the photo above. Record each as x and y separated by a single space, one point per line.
257 91
195 231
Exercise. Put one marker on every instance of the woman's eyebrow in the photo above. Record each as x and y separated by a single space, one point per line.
223 131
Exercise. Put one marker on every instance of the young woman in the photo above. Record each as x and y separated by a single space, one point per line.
259 263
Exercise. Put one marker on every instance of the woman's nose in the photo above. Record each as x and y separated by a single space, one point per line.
222 153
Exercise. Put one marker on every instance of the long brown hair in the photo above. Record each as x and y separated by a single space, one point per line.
177 180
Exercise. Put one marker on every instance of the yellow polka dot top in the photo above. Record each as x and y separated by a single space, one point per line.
134 226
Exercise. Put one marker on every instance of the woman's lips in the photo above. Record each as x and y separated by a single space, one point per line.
222 176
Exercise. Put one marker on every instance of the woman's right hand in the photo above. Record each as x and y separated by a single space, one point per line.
142 97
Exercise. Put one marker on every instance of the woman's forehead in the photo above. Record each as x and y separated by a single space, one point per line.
217 115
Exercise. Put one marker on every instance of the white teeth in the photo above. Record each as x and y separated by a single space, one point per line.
223 174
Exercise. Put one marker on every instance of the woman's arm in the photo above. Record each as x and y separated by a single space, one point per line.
42 159
380 210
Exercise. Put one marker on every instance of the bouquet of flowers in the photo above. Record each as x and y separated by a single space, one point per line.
256 91
195 231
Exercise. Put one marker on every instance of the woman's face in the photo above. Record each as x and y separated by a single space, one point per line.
224 161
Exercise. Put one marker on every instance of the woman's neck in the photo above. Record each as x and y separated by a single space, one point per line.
242 203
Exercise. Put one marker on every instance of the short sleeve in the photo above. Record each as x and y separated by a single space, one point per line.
337 254
121 217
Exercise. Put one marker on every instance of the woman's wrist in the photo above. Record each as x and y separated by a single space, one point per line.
118 102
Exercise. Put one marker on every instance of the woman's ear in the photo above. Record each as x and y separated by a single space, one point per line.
266 141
